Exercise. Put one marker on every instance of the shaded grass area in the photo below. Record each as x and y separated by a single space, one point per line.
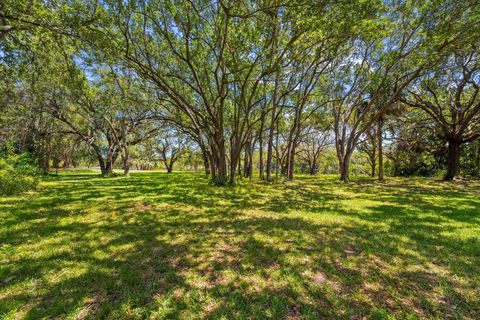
169 246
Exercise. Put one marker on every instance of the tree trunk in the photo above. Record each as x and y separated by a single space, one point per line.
380 151
125 160
453 161
313 166
67 162
344 167
206 163
101 163
270 147
260 150
109 166
372 164
222 164
291 162
236 151
477 160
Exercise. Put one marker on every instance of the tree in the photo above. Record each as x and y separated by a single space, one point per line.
170 148
449 96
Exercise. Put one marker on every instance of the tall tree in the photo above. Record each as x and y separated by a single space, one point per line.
450 98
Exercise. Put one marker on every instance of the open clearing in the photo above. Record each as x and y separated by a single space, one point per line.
167 246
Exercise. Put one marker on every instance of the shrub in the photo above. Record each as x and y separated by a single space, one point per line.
18 173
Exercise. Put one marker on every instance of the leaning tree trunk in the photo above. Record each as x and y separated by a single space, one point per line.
453 161
101 163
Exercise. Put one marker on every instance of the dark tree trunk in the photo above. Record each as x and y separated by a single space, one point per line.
477 159
233 172
222 165
102 165
109 166
260 151
381 173
453 161
344 168
291 162
67 162
56 163
234 163
313 166
126 163
206 163
270 148
239 165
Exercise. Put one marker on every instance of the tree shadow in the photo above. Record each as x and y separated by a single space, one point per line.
172 246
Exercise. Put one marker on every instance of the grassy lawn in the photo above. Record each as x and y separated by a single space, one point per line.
159 246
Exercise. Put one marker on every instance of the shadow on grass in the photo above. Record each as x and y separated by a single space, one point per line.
173 246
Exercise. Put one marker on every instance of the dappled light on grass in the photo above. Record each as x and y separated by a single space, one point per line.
173 246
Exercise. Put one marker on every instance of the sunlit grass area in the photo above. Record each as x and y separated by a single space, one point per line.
168 246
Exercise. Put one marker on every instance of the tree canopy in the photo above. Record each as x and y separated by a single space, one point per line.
267 85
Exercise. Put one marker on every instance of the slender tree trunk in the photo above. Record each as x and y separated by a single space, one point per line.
372 164
235 161
125 160
477 159
291 161
239 164
222 165
271 131
101 163
453 160
206 163
249 172
233 173
344 167
381 172
260 150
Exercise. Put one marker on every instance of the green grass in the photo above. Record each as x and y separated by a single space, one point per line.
159 246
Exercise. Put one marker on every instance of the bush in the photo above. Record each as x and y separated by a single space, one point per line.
18 173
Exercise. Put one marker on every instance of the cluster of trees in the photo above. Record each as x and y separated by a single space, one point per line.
262 85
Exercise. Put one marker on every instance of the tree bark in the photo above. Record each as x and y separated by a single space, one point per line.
373 167
270 147
222 163
125 160
344 167
260 150
101 163
381 172
453 160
